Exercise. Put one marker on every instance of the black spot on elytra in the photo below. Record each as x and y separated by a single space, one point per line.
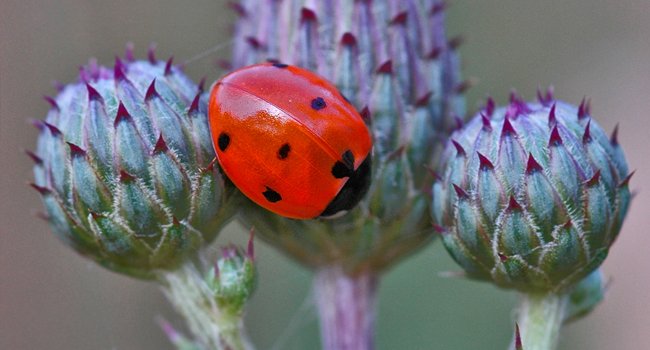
318 103
271 195
280 65
283 152
223 141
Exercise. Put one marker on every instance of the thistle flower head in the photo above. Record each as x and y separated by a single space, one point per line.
392 60
123 164
532 196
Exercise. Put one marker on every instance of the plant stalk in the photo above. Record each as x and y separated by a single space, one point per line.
540 319
346 306
212 328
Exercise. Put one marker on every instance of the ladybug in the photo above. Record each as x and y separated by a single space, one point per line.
290 141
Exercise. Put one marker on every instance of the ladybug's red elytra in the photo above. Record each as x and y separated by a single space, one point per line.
289 140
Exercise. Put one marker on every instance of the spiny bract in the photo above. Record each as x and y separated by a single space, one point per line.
393 61
123 164
532 195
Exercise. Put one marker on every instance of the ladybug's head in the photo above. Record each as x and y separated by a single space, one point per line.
351 193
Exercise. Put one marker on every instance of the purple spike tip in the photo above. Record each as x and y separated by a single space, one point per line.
485 163
586 138
161 146
533 165
151 91
487 124
41 189
202 85
545 98
365 115
459 122
460 151
386 68
552 119
627 179
76 151
489 107
52 102
118 70
594 179
209 168
582 109
400 18
307 15
37 160
194 107
126 177
507 129
460 192
555 138
53 129
513 205
168 66
424 100
93 94
253 42
122 114
151 53
348 39
434 54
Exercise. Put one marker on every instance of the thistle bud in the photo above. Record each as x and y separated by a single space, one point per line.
124 167
392 60
233 279
533 195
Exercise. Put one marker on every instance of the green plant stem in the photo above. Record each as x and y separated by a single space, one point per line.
212 328
346 307
540 320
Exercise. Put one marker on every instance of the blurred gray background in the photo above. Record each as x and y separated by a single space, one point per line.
50 298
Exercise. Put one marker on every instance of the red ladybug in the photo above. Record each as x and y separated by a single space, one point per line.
290 141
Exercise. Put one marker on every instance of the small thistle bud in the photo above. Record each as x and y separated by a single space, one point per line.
391 59
532 196
123 164
212 299
233 279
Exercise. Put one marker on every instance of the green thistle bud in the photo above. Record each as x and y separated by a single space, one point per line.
392 60
532 196
123 164
212 299
233 278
